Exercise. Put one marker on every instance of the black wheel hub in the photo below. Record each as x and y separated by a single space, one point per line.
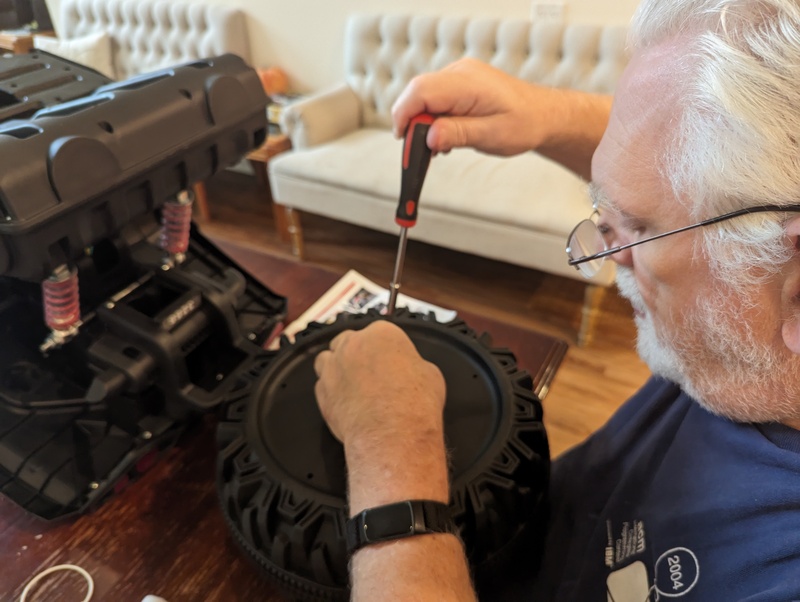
282 474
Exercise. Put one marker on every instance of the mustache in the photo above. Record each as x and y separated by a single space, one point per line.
626 284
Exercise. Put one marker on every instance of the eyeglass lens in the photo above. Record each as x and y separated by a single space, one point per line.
585 241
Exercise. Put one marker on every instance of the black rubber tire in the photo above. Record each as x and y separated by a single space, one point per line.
281 474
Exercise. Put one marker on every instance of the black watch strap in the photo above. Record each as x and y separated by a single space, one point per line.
395 521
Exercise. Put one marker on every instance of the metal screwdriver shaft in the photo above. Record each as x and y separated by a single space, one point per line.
398 270
416 158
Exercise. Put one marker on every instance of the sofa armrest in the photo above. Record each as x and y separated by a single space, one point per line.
321 117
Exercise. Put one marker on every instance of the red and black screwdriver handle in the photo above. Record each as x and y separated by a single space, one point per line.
416 158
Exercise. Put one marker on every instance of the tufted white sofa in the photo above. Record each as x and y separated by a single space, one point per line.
145 35
345 163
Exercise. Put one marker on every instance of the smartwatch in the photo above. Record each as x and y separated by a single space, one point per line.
396 521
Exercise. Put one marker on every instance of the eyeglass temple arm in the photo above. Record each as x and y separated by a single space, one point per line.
707 222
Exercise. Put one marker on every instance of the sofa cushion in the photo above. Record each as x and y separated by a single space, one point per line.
368 161
92 50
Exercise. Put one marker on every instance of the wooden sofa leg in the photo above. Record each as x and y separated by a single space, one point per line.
281 227
592 297
294 230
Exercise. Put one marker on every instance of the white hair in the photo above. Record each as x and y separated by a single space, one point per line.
736 144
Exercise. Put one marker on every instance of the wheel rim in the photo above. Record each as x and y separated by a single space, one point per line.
281 474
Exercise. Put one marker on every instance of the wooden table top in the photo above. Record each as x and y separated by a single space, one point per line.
165 534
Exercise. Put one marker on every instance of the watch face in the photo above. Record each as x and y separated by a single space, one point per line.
388 522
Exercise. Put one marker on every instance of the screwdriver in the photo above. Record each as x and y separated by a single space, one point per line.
416 157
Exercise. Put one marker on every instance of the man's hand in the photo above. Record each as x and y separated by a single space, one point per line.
478 106
386 403
482 107
373 383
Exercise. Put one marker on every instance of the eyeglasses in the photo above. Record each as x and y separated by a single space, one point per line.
587 249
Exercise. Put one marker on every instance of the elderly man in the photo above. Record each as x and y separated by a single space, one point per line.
692 490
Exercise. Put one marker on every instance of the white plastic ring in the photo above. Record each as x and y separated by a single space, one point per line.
61 567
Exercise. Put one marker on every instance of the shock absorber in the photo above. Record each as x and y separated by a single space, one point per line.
176 223
62 306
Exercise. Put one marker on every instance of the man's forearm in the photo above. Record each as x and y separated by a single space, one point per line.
581 120
422 567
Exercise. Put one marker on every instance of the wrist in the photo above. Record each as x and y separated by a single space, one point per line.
386 468
545 117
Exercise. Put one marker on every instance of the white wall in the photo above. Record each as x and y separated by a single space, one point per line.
304 37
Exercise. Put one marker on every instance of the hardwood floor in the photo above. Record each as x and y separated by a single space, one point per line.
592 381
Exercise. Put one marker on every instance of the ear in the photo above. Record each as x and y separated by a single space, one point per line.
791 292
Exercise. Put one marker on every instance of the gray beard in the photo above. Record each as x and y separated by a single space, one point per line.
716 358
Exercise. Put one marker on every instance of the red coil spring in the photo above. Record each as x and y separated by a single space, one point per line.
176 221
61 299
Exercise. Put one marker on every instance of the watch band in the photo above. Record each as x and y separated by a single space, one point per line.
395 521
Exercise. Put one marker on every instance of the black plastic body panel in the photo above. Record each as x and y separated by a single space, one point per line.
39 79
76 173
159 342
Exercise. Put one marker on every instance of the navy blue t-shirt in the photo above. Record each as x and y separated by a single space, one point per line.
669 502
